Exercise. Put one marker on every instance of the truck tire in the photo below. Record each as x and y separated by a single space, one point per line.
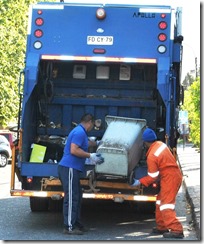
39 204
3 160
146 207
55 205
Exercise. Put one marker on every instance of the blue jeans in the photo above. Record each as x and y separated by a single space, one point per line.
70 180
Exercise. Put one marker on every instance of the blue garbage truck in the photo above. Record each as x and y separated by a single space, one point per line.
121 63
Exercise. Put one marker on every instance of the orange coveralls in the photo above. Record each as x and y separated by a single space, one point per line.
161 163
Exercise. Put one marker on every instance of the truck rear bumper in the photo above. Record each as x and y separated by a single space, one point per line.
106 196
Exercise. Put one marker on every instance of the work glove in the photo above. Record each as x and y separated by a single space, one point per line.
136 182
88 161
98 142
96 158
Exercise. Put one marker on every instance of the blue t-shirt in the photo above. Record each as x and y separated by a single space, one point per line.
79 137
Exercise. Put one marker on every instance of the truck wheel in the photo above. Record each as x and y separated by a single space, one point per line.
131 177
55 205
146 207
3 160
38 204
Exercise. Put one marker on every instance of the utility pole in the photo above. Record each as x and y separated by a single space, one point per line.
196 71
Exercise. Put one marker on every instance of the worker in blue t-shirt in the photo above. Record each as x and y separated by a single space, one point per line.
70 167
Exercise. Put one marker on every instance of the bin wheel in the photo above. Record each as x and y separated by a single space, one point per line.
131 177
92 182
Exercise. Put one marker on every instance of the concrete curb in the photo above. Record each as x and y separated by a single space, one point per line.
189 163
195 214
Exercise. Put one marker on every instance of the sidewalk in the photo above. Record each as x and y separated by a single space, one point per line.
189 161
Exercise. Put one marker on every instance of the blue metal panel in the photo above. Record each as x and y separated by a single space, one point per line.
130 29
109 102
39 169
177 52
31 72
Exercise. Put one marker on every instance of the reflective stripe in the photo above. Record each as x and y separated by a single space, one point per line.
167 206
99 59
158 202
160 149
153 175
70 181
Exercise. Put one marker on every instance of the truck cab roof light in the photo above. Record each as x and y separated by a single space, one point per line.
39 21
100 13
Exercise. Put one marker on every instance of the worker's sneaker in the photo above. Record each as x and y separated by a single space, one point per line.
72 232
159 232
172 234
82 228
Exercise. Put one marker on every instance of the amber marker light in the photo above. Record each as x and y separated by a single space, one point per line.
100 13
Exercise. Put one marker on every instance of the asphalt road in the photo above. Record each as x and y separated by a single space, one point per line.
107 221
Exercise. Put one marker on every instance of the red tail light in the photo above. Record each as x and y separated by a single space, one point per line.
154 185
39 11
38 33
29 179
162 37
99 50
39 21
162 25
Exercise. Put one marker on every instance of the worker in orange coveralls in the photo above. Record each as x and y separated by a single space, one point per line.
162 164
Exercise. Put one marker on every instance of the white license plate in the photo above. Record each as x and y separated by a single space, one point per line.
99 40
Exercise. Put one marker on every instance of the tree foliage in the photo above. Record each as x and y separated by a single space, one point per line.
13 29
188 80
12 43
192 105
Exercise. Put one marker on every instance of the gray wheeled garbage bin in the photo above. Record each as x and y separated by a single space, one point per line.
121 145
